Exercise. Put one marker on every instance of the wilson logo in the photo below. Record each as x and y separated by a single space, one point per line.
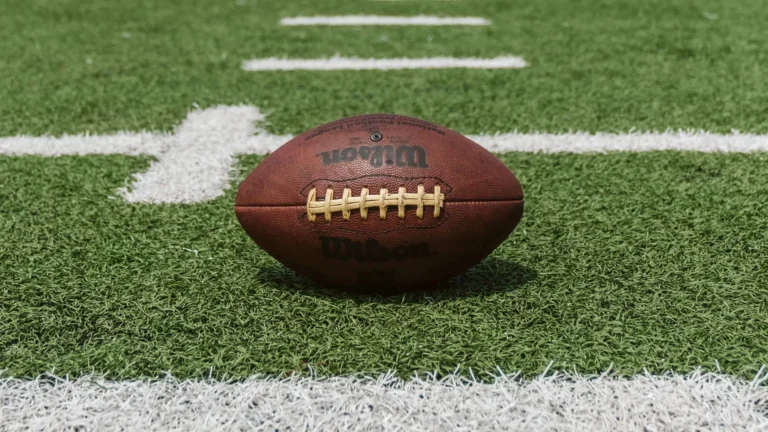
404 155
345 249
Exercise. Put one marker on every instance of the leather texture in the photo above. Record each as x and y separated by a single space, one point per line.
483 204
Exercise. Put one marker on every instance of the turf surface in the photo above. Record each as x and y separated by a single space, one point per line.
71 66
644 260
653 260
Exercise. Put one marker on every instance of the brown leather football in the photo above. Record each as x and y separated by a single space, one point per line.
380 203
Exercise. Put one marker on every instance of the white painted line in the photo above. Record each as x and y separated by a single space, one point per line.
194 164
197 168
697 401
583 142
377 20
353 63
127 143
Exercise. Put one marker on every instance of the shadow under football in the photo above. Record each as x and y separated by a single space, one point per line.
491 276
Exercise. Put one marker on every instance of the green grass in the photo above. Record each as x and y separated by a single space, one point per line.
71 66
652 260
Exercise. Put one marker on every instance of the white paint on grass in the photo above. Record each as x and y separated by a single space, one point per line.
354 63
583 142
192 165
127 143
378 20
699 401
197 167
195 163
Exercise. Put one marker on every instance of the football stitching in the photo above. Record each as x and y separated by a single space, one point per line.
383 201
446 186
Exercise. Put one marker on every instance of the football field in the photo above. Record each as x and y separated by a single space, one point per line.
632 296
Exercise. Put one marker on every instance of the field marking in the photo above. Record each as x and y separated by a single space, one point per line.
195 163
354 63
698 401
126 143
378 20
198 167
584 142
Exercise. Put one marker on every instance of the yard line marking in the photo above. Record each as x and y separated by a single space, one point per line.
126 143
584 142
696 401
195 163
206 145
377 20
192 165
354 63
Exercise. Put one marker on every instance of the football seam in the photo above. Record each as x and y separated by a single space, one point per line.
304 205
314 182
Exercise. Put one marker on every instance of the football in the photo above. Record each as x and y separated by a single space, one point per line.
379 203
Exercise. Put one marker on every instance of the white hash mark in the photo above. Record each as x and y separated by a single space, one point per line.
354 63
378 20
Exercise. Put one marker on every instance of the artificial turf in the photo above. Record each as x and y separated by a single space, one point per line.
623 260
72 66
